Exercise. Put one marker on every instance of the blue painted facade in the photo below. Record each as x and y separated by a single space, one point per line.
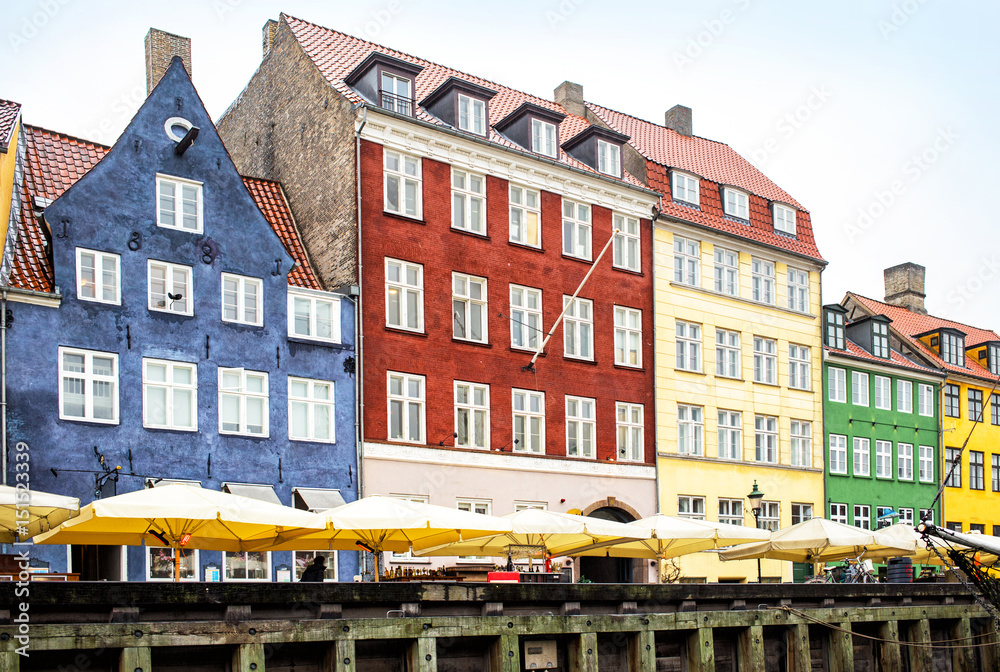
103 211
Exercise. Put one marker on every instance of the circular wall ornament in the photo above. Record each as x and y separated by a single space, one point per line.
177 122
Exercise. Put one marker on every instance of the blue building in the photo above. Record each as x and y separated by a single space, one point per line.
163 317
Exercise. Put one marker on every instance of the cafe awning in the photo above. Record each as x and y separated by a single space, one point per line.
264 493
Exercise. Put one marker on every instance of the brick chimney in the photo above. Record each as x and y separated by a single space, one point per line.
161 47
269 31
570 96
904 286
678 118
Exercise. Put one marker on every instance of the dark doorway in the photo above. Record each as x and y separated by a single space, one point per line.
98 563
610 570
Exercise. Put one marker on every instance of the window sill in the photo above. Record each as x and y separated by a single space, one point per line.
571 257
171 429
697 373
477 344
409 332
527 351
326 344
761 382
626 367
525 246
245 436
735 379
91 421
628 270
248 325
480 236
568 358
405 218
170 313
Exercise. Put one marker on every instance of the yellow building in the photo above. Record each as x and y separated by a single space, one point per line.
738 341
10 128
970 405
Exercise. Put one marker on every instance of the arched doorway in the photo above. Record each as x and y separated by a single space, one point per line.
610 570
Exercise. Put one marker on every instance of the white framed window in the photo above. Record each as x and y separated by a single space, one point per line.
770 516
730 427
472 415
736 203
88 386
404 295
169 288
838 454
801 513
762 281
863 516
926 470
576 229
928 515
952 348
799 370
688 346
690 430
727 271
684 187
798 290
578 328
765 360
837 381
468 307
525 317
305 558
313 316
407 395
766 438
179 204
801 443
481 506
311 410
904 461
246 566
628 336
243 399
687 258
242 299
408 557
98 276
471 114
468 201
862 457
904 396
926 401
906 516
727 353
883 393
609 158
731 511
835 330
169 395
395 94
524 506
784 219
160 564
627 248
529 421
543 138
403 184
629 423
859 388
883 459
838 513
581 426
525 216
880 340
691 507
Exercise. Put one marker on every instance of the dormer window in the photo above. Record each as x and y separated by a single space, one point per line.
993 358
471 115
736 203
609 158
396 93
684 188
834 335
543 137
599 148
880 339
461 104
533 127
784 219
385 80
952 348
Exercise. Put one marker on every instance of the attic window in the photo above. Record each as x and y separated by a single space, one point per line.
684 188
736 203
395 94
784 219
880 339
471 115
543 137
835 329
993 359
952 348
609 158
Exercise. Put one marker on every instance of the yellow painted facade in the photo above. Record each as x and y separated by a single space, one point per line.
7 166
707 476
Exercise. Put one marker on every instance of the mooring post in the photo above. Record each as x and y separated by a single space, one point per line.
888 649
963 658
340 657
841 648
701 650
133 659
990 654
248 658
423 655
921 659
797 648
10 661
750 652
642 652
583 653
505 654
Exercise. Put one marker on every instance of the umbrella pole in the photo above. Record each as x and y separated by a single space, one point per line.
375 557
177 563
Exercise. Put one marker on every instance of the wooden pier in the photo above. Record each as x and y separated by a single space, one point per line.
452 627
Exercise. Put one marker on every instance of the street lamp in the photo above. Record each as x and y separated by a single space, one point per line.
755 496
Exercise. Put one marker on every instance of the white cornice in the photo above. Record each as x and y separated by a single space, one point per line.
33 297
506 461
480 156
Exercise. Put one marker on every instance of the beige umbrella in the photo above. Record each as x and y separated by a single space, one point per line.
182 517
923 555
673 536
25 513
821 540
378 524
536 531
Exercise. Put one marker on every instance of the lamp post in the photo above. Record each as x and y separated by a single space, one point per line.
754 497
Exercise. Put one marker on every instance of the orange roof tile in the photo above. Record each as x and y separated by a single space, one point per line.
271 201
855 351
9 113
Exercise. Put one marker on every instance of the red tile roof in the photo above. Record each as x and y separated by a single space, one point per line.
271 201
908 324
9 114
336 54
717 164
855 351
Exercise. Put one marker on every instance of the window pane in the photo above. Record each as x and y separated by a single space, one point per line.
182 408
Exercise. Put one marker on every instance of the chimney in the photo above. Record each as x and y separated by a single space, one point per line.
904 287
570 96
161 47
678 118
269 31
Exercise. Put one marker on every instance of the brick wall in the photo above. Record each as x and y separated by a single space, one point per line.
442 360
290 125
161 47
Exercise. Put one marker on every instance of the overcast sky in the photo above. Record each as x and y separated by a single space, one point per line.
876 115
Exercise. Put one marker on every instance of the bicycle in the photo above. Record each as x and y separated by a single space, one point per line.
854 571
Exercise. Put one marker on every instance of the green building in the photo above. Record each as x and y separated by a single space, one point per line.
880 418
